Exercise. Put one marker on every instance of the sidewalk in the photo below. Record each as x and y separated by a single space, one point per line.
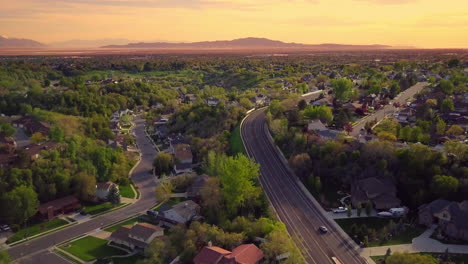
422 243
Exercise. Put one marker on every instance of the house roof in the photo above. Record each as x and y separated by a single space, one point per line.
458 211
58 204
183 152
186 209
316 125
329 134
144 230
244 254
34 149
210 255
104 185
140 230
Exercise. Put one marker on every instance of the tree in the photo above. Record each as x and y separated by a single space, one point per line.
386 136
302 104
56 134
164 191
156 252
349 212
23 204
453 63
368 208
84 186
440 127
211 199
342 88
318 184
163 163
246 103
359 209
348 127
322 112
37 137
455 130
443 185
114 195
301 164
278 242
7 130
407 258
394 89
446 86
388 253
447 105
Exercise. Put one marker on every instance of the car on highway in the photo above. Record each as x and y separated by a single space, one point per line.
340 210
323 229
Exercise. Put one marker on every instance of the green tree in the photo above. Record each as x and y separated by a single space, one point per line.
56 134
343 88
24 201
446 86
5 257
349 212
37 138
114 195
156 252
447 105
394 89
164 191
84 186
443 185
278 242
359 209
440 127
163 163
7 130
324 113
302 104
453 63
455 130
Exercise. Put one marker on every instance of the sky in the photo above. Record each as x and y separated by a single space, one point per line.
419 23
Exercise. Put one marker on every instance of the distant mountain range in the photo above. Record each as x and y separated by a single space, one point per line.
243 43
6 42
92 43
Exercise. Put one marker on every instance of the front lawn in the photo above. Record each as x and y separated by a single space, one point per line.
36 229
454 258
131 221
99 208
357 228
235 142
90 248
170 202
126 191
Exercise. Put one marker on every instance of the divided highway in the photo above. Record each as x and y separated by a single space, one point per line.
36 250
292 203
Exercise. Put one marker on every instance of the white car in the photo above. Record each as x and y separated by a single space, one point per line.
340 209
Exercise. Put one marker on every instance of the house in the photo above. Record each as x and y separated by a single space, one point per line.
243 254
52 209
183 154
316 126
212 101
381 192
406 115
193 191
190 98
7 144
260 100
356 107
175 140
328 101
161 120
31 125
103 189
180 213
136 237
451 217
33 151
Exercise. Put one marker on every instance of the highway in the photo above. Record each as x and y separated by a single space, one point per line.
293 205
38 249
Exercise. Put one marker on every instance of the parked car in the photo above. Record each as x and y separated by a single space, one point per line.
152 213
385 214
340 209
5 228
323 229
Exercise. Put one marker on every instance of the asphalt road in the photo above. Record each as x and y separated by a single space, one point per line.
37 249
294 207
389 109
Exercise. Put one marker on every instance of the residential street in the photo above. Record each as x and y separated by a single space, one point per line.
293 204
388 109
36 250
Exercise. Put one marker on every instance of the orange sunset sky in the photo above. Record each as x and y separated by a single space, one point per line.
420 23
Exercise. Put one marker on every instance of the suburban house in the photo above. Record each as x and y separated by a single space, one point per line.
136 237
316 126
54 208
193 191
328 101
183 158
212 101
190 98
103 189
451 217
243 254
31 125
7 144
33 151
381 192
180 213
175 140
260 100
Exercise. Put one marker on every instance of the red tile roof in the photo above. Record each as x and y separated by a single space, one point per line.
210 255
243 254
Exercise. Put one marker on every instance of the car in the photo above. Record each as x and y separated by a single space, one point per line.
83 212
5 228
340 209
323 229
152 213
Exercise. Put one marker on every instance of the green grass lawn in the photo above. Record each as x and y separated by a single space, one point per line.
131 221
36 229
98 208
126 260
126 191
170 202
90 248
405 237
235 142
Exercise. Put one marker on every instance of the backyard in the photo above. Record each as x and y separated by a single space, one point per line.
90 248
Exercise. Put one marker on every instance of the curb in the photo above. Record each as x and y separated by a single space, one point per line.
40 234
